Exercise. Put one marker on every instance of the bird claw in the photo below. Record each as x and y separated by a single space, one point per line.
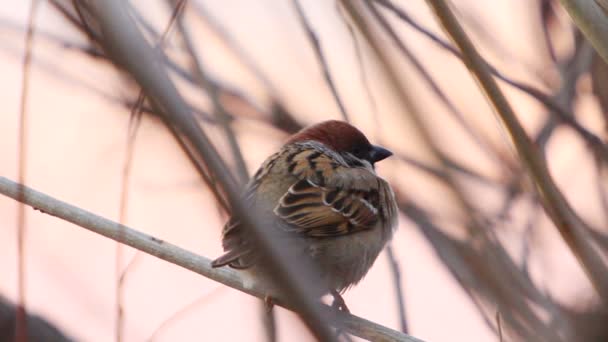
268 303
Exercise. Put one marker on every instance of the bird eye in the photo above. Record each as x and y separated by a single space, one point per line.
360 152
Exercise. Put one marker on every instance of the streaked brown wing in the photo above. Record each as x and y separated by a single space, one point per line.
330 199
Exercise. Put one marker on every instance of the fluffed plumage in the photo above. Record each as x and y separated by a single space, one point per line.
321 193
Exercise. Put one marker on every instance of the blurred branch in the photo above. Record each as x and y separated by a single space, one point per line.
547 16
592 21
603 5
164 250
483 262
213 91
176 316
595 142
128 48
482 142
224 119
556 206
314 40
570 70
599 81
133 127
21 332
397 283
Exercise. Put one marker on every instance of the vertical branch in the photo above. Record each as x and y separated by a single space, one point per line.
314 40
396 273
133 127
134 123
20 319
360 62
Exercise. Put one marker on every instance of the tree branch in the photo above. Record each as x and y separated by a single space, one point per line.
592 21
558 209
351 324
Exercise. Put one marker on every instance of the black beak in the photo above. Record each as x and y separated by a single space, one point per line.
379 153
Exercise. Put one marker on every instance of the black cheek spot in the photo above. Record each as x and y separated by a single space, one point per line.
291 167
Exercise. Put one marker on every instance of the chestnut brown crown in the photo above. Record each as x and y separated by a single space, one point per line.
342 137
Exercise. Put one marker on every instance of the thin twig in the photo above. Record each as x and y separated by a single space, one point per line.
547 13
213 91
570 71
21 315
482 142
184 311
314 41
360 62
499 326
164 250
397 283
133 128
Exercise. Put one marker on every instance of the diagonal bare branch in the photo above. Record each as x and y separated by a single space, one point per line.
590 18
354 325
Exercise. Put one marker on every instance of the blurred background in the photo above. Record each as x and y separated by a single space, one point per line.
475 256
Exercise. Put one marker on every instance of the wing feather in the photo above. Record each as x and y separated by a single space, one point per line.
330 198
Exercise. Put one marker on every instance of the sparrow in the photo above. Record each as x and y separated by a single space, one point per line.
320 193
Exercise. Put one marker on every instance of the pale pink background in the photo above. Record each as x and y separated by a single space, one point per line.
76 151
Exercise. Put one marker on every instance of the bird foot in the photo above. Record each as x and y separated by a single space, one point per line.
269 303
